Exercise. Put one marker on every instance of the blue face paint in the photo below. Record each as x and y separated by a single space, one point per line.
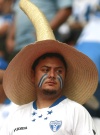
45 76
42 80
60 80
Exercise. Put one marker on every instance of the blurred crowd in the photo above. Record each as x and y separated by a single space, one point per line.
76 23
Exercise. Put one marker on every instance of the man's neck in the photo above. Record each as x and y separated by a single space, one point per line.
46 102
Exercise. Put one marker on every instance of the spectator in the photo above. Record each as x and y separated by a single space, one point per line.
6 18
82 12
89 44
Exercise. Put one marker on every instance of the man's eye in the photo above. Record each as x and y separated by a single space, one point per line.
45 70
59 71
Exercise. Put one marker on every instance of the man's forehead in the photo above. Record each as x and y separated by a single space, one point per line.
51 63
51 60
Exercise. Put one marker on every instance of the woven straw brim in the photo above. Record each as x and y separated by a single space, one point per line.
81 79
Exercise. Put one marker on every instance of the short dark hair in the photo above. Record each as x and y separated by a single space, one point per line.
49 55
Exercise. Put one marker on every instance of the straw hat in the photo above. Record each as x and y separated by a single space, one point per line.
82 76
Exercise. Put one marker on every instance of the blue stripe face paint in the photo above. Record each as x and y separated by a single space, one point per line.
60 80
42 80
44 77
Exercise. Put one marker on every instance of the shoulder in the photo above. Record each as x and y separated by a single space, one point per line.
78 108
19 111
79 112
19 114
24 107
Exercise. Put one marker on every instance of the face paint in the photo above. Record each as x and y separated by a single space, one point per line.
60 80
42 80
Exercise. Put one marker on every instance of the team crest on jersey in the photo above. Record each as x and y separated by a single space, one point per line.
55 125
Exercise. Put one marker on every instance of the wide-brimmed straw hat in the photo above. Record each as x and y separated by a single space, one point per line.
82 76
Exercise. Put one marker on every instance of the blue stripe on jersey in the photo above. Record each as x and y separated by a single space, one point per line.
58 101
54 104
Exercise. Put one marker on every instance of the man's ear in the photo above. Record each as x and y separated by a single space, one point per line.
32 75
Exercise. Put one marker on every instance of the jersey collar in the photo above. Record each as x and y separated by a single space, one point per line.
54 104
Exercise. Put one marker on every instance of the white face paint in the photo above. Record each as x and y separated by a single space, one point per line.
42 80
44 77
60 80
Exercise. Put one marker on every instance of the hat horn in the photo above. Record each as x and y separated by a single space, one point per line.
42 27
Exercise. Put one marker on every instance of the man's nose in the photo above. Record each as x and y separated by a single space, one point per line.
52 74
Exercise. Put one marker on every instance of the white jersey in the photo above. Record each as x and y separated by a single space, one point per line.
64 117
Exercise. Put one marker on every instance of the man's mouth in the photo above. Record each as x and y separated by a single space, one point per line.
51 82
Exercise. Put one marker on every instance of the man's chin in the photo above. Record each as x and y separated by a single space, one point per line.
49 92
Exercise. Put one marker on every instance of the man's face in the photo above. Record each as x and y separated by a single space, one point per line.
49 76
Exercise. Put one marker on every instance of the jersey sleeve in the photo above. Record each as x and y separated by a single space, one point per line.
83 123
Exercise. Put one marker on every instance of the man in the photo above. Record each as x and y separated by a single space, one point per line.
6 19
89 44
43 79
